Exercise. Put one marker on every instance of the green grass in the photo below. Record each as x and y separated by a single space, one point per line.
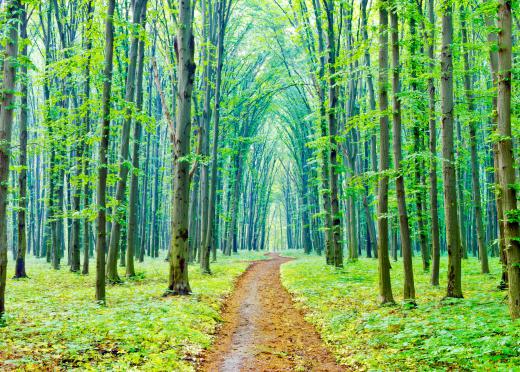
475 333
53 321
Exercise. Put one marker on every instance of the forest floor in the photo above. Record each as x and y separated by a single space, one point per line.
263 331
53 323
474 333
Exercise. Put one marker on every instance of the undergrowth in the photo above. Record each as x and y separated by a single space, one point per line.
53 322
474 333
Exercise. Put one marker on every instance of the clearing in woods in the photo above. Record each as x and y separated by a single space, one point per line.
263 331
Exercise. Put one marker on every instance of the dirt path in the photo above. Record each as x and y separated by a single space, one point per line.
263 331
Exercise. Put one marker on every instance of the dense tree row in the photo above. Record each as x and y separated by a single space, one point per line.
153 128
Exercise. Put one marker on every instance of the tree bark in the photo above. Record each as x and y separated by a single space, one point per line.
385 285
132 237
404 227
119 214
475 173
454 288
336 244
22 178
434 211
7 107
101 239
506 157
184 49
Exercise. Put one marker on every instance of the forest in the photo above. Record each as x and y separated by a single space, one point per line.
259 185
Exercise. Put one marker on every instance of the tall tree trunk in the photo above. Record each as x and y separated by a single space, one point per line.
493 61
325 154
87 153
506 157
22 178
133 229
101 239
454 288
7 108
475 174
209 236
184 49
367 198
434 211
336 244
385 285
404 227
119 214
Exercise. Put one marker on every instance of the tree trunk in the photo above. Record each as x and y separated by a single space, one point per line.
336 244
404 227
385 285
184 49
22 178
493 59
506 157
119 214
7 108
133 229
454 288
434 211
475 174
101 239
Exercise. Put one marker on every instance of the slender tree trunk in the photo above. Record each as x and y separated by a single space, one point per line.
336 244
493 59
385 285
506 156
448 166
87 153
101 239
475 174
367 198
434 211
7 108
133 229
22 178
184 49
404 227
119 214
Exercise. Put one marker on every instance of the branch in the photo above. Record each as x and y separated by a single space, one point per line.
166 112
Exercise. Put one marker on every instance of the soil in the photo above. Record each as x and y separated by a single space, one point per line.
263 330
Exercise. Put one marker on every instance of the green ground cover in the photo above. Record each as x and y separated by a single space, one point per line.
475 333
53 321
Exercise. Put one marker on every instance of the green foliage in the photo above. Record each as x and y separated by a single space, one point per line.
53 321
474 333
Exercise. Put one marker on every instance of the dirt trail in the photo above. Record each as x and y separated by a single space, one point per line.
263 331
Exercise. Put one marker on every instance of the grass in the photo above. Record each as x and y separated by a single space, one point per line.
54 323
474 333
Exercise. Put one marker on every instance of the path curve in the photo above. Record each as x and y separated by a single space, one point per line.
263 331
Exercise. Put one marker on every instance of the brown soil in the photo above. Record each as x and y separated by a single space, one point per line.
263 331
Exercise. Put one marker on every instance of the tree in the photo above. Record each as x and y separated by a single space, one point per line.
406 245
184 49
336 244
101 240
508 185
448 166
434 212
22 177
119 215
7 108
475 172
132 241
385 286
